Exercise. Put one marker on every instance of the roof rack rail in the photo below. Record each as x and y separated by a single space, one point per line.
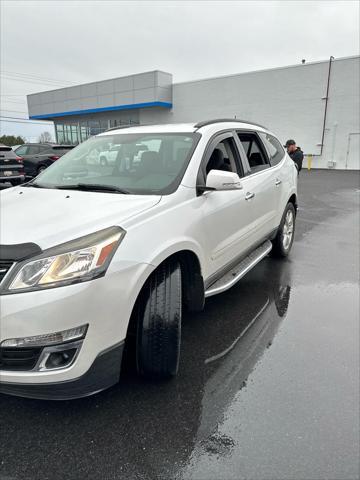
219 120
123 126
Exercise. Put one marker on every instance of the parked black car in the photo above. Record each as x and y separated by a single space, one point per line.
11 166
38 156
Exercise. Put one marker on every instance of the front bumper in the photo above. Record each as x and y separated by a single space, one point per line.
104 304
103 373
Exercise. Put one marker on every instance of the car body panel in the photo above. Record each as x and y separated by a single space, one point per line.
216 226
62 215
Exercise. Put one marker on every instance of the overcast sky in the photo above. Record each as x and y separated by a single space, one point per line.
69 42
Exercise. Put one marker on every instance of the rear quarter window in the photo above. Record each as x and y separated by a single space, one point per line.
44 148
22 150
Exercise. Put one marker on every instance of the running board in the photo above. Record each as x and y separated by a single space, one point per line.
238 271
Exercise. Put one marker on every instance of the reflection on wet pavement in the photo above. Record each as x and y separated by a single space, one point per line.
268 385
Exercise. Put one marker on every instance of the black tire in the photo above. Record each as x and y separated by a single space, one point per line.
159 323
282 243
41 169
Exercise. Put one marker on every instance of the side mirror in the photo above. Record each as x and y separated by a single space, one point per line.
220 180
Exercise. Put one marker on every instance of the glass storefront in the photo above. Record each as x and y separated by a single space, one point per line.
71 133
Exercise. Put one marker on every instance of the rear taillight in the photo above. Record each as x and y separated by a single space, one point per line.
54 157
19 159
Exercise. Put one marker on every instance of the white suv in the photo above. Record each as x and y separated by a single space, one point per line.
92 255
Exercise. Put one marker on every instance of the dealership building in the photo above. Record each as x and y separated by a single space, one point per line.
316 103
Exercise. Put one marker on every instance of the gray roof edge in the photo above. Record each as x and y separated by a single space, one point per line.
297 65
99 81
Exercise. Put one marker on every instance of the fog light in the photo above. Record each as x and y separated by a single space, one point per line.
48 339
60 359
58 356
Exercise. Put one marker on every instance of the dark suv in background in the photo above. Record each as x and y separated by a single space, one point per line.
11 166
38 156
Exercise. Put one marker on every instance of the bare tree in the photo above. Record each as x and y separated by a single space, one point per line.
45 137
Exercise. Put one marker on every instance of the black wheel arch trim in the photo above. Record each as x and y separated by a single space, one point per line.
192 280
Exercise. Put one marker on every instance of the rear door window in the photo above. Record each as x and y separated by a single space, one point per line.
44 148
255 151
33 150
273 146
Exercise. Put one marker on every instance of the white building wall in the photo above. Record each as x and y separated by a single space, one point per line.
343 116
290 101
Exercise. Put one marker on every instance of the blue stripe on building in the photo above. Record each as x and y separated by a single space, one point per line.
132 106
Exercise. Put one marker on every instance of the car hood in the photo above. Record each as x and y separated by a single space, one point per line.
49 217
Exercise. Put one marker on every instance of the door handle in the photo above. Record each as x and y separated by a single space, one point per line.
249 196
277 182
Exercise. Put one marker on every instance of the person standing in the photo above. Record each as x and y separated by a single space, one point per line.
295 153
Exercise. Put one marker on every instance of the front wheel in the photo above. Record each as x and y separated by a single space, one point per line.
159 323
283 241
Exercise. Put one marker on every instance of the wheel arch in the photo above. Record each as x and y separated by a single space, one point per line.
192 276
293 200
192 279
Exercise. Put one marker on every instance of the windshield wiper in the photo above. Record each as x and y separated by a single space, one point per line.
34 185
93 187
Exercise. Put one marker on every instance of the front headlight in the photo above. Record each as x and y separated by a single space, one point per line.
76 261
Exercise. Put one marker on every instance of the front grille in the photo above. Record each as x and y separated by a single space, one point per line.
20 359
5 266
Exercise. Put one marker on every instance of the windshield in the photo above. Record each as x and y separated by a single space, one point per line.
135 163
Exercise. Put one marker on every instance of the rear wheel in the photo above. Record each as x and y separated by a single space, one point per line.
283 241
159 323
41 169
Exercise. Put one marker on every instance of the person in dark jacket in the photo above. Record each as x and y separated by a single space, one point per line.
295 153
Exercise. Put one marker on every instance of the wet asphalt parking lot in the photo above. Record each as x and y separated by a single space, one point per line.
268 385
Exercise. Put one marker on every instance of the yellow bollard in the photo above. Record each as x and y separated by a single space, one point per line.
309 162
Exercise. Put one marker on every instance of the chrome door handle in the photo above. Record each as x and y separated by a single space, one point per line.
278 182
249 196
